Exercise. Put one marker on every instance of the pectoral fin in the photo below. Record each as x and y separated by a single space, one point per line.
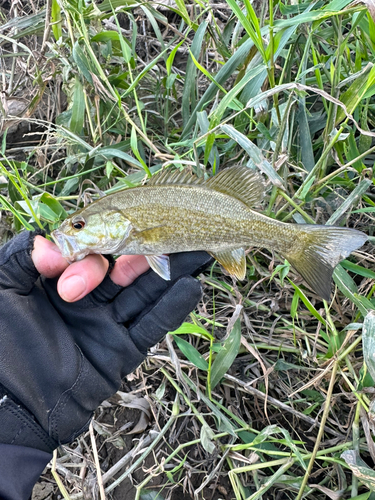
233 261
149 235
160 264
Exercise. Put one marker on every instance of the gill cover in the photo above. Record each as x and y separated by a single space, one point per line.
88 233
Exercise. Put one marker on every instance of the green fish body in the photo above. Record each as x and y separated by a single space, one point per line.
177 212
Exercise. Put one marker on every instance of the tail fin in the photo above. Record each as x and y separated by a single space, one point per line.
319 249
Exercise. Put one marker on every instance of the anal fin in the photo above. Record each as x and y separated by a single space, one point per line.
233 261
160 264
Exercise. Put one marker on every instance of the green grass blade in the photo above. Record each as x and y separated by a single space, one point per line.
355 268
230 98
355 93
354 196
82 62
191 353
183 11
108 153
224 424
226 355
248 26
144 72
305 141
207 73
254 153
155 26
189 328
347 286
189 92
134 146
307 303
56 20
368 342
78 108
221 77
8 206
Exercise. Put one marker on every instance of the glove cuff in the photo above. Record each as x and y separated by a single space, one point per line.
17 270
17 427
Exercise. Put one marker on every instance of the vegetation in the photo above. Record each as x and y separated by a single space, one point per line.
266 392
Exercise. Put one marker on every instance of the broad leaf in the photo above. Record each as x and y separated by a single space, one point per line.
227 355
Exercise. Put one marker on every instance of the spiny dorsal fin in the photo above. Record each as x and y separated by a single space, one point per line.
174 177
233 261
240 182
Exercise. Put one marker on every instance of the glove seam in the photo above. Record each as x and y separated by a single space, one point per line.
26 422
142 343
66 396
19 432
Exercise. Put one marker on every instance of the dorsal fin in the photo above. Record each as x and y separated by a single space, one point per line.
240 182
174 177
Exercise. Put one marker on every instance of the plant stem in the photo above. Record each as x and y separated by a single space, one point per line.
321 431
355 433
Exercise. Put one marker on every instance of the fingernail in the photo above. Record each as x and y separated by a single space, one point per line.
72 288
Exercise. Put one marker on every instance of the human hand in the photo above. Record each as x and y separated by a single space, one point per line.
59 360
80 278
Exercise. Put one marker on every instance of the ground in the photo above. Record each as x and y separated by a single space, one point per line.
85 111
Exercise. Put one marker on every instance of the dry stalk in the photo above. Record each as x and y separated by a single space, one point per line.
97 464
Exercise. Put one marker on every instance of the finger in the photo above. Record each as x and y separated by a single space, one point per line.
167 313
128 268
149 287
47 258
80 278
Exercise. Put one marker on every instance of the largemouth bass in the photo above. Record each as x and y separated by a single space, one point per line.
177 212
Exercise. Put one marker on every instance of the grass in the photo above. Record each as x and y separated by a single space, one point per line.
266 391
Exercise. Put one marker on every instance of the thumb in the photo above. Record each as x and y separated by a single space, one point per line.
17 270
47 258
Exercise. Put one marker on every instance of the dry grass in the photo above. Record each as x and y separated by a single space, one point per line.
287 89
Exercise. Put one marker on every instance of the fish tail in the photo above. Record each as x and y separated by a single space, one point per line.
318 250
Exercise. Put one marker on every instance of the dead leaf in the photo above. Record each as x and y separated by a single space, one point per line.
334 495
141 425
140 404
370 4
266 372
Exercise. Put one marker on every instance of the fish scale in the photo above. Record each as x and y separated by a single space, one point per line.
230 222
177 212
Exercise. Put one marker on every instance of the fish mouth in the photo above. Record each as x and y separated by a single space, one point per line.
68 246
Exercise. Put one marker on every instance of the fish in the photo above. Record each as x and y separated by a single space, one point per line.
178 212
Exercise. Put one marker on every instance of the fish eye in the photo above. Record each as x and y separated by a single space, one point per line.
79 224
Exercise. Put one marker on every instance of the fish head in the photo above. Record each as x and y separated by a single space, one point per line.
87 232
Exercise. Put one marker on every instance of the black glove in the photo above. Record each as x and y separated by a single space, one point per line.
59 360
